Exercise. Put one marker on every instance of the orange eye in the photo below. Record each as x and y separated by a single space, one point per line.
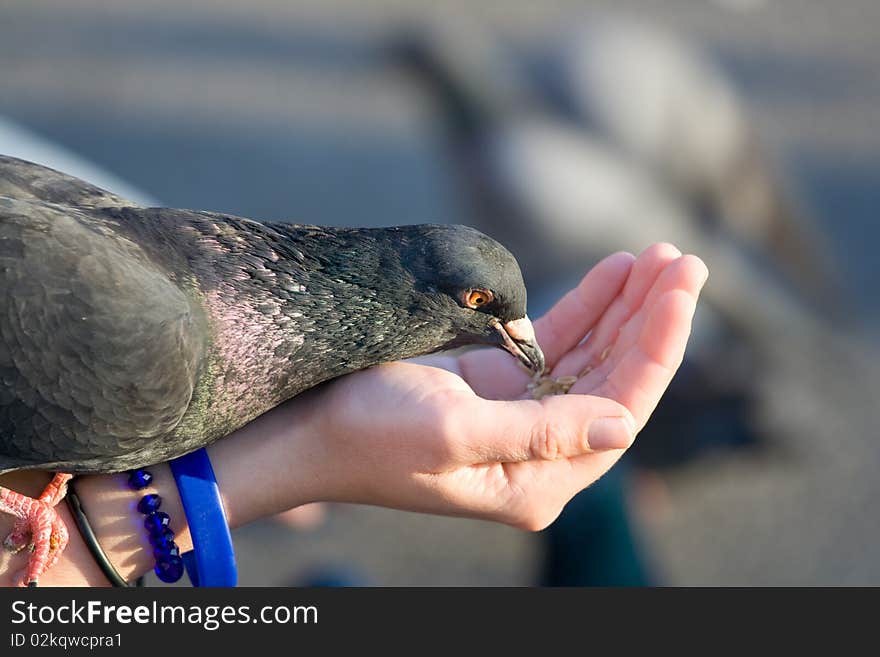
477 297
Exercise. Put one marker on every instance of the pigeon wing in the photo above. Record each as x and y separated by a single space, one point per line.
99 349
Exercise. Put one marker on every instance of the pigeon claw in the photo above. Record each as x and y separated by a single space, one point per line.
38 525
49 536
19 538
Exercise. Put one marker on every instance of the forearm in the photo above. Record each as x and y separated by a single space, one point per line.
264 468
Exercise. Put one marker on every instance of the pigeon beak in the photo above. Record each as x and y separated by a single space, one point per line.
518 337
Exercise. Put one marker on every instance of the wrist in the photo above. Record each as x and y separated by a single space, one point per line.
111 508
273 464
259 470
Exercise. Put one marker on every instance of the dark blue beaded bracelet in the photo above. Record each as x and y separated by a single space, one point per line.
149 503
169 564
169 551
156 522
163 539
139 479
169 569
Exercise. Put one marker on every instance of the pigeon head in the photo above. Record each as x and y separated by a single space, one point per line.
468 288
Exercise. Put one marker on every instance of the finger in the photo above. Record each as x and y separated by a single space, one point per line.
574 315
687 273
584 470
536 491
554 428
645 270
644 372
649 265
493 374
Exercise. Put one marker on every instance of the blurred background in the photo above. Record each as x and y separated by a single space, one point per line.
745 131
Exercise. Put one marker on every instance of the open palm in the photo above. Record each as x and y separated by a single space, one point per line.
483 448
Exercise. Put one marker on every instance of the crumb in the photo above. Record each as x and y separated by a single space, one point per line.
548 385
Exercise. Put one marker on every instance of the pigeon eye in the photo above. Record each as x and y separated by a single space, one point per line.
477 297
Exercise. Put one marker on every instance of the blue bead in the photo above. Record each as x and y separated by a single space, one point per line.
169 569
156 522
138 479
163 539
149 503
171 550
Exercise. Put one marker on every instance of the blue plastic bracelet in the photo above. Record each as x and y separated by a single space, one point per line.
212 559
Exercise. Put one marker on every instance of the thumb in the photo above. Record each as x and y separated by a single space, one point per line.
554 427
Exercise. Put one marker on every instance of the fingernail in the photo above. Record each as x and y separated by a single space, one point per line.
610 433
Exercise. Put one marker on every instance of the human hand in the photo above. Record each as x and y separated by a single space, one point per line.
460 436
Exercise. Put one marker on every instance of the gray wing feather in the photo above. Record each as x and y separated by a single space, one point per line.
99 350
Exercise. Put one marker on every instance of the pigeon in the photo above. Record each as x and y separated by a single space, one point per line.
668 105
130 335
